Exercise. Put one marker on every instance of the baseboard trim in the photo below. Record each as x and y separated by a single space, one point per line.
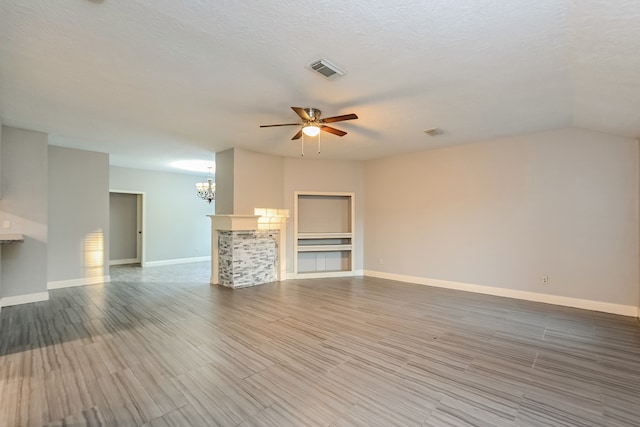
84 281
175 261
606 307
124 261
24 299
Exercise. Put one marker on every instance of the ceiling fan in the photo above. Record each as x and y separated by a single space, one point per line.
312 123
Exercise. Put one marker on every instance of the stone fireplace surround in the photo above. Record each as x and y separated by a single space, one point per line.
248 250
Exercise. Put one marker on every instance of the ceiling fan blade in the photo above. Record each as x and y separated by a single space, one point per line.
340 118
297 135
333 130
303 114
284 124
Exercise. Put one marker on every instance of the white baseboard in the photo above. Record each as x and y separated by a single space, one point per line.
84 281
24 299
606 307
176 261
124 261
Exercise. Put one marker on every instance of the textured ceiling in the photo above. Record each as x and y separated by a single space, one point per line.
150 81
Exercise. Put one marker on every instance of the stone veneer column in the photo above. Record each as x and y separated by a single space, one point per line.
247 258
244 253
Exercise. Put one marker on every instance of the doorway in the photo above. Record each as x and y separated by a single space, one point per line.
125 228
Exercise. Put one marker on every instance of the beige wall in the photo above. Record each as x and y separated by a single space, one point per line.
246 180
78 185
224 182
258 181
25 205
325 175
504 213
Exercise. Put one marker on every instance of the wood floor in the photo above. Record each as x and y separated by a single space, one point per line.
161 347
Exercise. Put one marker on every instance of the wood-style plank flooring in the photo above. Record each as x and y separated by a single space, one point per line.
161 347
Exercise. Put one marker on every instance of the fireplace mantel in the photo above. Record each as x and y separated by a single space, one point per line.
227 229
234 222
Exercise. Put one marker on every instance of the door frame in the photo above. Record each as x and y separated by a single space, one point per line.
140 222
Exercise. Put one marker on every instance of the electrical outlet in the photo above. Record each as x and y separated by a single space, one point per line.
380 261
6 224
545 280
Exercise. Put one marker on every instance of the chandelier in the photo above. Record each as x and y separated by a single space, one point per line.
207 190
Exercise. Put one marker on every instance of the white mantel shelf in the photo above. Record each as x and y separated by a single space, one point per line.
234 222
11 238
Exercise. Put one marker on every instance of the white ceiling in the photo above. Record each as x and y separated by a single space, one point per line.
151 81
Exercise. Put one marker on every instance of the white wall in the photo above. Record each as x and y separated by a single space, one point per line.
504 213
176 227
25 204
325 175
78 185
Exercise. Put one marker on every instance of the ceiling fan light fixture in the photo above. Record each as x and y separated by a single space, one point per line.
311 130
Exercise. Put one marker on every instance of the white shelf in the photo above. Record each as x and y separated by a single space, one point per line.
324 248
328 250
323 274
11 238
324 236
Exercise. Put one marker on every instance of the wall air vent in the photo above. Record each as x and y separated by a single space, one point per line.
326 68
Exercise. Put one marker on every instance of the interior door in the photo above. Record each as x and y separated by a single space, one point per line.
125 233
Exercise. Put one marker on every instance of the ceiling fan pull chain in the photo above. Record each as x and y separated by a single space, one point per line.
302 145
318 143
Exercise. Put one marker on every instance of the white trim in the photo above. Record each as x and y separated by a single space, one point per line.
176 261
24 299
606 307
84 281
124 261
293 276
322 274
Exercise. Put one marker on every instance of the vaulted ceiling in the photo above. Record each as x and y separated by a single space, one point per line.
150 81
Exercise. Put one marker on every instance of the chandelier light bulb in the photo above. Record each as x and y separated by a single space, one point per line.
207 190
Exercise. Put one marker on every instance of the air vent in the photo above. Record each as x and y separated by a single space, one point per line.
326 68
434 132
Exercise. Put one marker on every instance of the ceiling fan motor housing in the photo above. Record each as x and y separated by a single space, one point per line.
311 119
313 113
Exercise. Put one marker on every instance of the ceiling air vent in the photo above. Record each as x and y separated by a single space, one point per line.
434 131
326 68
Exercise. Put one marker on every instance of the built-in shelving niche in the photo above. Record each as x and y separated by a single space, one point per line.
324 224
